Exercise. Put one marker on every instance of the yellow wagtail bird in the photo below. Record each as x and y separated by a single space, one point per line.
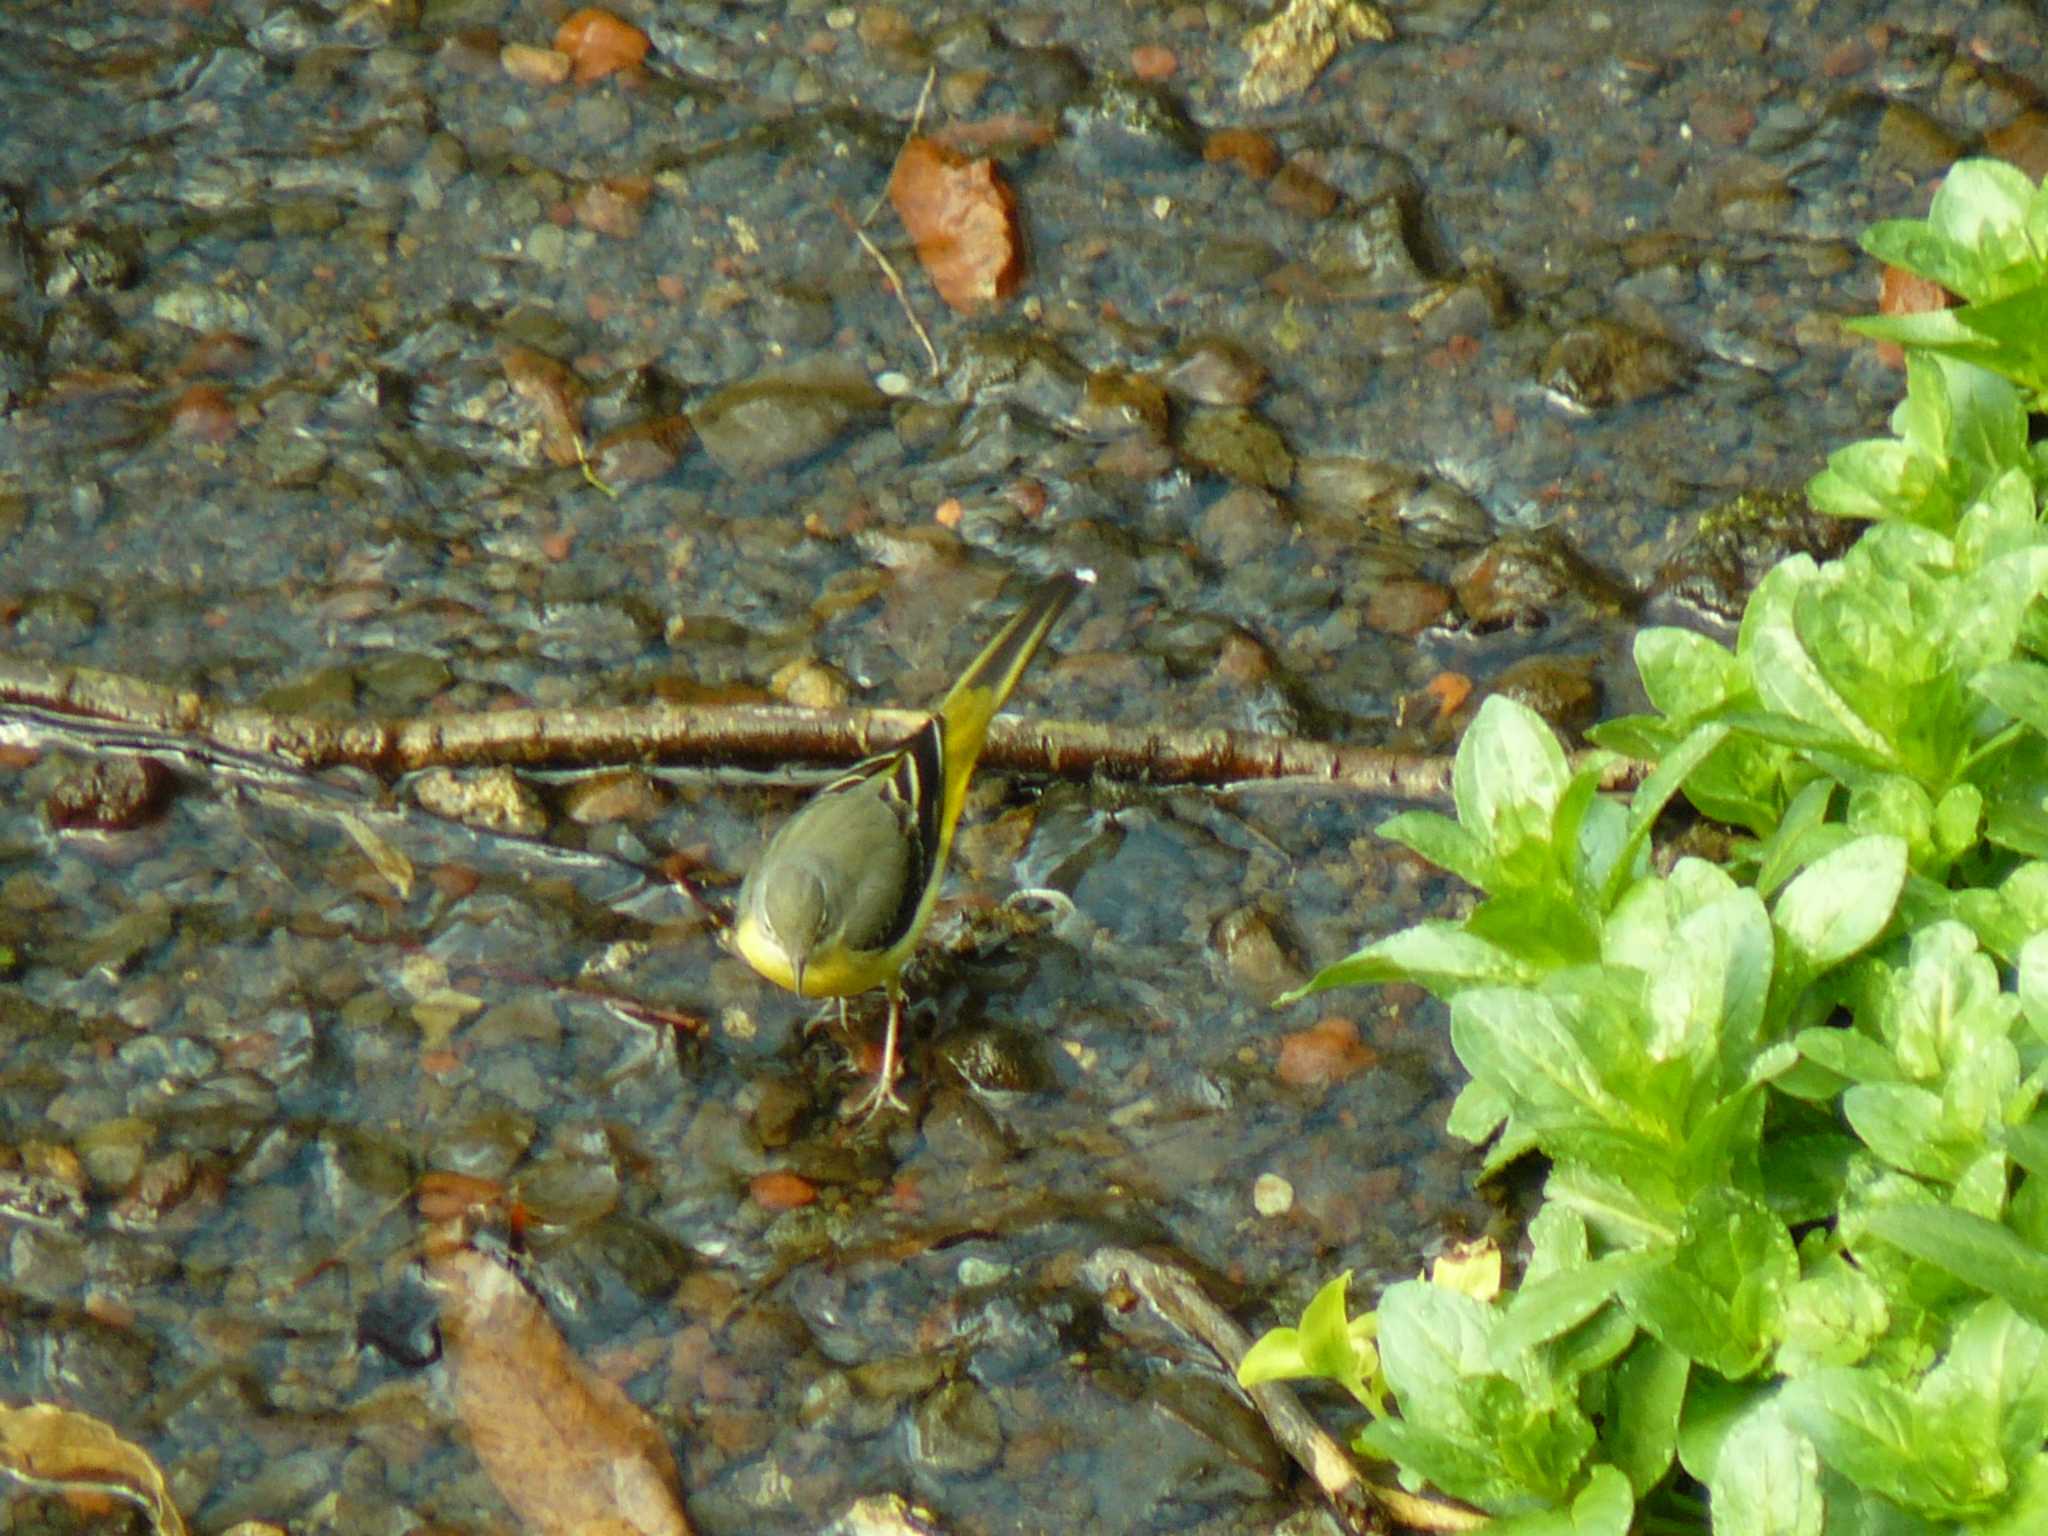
837 901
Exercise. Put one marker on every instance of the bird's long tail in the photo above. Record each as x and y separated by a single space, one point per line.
964 714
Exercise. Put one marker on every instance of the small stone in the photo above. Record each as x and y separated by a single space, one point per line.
614 207
1526 578
621 795
1601 364
811 684
1250 151
1243 525
2022 142
1214 370
1240 446
1272 1195
992 1059
956 1430
1254 960
1562 689
495 799
203 413
1116 402
535 66
641 452
769 422
1294 190
1406 605
114 794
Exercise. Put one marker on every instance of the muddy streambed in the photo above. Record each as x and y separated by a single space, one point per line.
1434 379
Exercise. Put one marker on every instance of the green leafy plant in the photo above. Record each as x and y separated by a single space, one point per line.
1790 1273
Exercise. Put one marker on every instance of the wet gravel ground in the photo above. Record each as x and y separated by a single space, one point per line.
1435 369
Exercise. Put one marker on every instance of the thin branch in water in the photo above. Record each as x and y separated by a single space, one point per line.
895 286
924 96
1178 1297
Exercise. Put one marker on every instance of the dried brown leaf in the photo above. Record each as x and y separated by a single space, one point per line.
1287 52
963 221
569 1452
59 1451
556 396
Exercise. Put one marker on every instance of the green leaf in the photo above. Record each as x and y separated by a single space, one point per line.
1537 1054
1789 680
2020 688
1640 1435
1653 794
1440 956
1766 1480
1547 1308
1918 1453
2014 327
1908 1128
1444 843
1508 777
1804 1176
1477 1112
1833 1316
1720 1298
1328 1346
1794 844
1685 674
1978 1252
2026 1511
1603 1507
1840 903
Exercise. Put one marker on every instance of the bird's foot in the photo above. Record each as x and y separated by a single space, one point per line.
881 1095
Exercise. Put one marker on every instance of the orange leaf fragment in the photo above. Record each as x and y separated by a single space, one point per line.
1328 1051
569 1451
963 221
780 1190
1450 690
600 44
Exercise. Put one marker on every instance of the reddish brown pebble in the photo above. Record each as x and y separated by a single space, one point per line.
2022 142
1406 605
220 353
1153 61
1298 191
1851 56
883 26
204 413
614 207
600 44
109 795
535 66
781 1190
1328 1051
1246 148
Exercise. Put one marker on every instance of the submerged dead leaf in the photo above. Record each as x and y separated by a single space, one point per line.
568 1451
1287 52
963 221
55 1450
556 396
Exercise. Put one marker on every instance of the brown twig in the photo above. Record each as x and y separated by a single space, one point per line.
1178 1298
895 286
40 703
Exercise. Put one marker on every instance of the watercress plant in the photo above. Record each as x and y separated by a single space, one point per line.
1790 1273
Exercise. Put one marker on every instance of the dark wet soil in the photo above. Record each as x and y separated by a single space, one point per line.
305 310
